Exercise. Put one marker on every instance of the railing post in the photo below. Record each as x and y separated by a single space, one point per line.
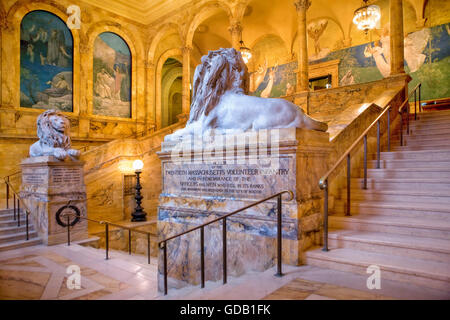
148 248
107 239
224 249
27 213
378 144
7 194
401 129
415 104
14 202
389 129
325 217
420 100
18 212
279 237
68 231
407 118
165 267
129 241
365 162
202 256
348 185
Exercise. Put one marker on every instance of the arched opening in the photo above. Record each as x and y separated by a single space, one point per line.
111 76
46 62
171 91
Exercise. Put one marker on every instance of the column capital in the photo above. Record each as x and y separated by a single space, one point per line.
302 4
186 50
235 28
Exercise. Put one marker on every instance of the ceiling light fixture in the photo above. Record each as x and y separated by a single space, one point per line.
367 17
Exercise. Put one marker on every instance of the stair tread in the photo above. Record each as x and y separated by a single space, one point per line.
402 192
403 205
413 180
2 237
419 169
429 223
31 241
399 264
391 239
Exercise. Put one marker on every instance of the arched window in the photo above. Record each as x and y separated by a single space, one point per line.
112 76
46 62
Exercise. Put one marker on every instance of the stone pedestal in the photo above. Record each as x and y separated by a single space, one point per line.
203 180
47 187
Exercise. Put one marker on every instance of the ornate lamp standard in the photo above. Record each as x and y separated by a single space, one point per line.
139 214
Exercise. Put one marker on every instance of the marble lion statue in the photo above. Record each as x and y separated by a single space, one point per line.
220 101
53 133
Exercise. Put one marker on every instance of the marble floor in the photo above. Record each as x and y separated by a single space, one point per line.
40 272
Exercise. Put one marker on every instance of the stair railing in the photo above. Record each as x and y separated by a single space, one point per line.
17 200
107 224
405 108
163 243
324 181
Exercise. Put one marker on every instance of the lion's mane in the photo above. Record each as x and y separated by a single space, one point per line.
48 135
211 81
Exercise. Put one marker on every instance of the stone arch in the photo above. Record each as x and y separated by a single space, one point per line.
168 79
175 53
136 51
11 34
162 31
204 12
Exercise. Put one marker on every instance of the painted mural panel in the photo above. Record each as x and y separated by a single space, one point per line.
427 60
112 76
46 52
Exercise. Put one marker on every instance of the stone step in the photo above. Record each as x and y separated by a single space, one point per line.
391 208
15 229
10 216
427 197
428 131
402 184
426 120
420 147
432 274
426 125
17 236
388 243
20 244
427 155
425 173
10 223
419 227
395 164
430 141
434 113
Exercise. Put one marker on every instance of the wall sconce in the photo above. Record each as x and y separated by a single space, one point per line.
139 214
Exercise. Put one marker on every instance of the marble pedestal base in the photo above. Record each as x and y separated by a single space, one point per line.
47 187
204 179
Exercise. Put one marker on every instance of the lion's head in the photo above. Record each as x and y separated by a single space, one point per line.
53 129
220 71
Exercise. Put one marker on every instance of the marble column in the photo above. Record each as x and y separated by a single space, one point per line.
302 76
186 82
396 34
236 32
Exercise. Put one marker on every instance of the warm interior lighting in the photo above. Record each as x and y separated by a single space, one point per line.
245 52
138 165
367 17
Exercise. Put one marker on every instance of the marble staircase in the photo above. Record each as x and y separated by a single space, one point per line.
401 223
11 235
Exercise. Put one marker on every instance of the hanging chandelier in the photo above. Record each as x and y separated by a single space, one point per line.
246 53
367 17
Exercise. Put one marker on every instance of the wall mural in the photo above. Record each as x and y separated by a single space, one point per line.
46 51
427 60
112 76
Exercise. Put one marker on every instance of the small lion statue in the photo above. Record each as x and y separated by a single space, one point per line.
220 101
53 133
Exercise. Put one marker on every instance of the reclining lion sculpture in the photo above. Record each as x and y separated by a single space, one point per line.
220 101
53 133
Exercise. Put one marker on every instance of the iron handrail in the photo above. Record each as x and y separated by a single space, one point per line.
163 243
18 198
107 224
323 182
